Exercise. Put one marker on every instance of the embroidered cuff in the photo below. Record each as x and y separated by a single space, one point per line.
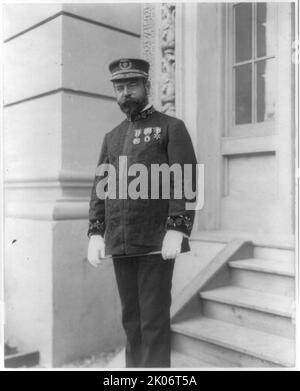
96 228
182 223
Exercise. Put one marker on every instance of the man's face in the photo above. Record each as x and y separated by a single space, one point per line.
131 94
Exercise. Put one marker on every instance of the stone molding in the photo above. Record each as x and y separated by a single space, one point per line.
68 204
66 178
48 211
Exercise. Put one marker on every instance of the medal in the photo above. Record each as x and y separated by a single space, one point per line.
136 140
157 132
147 131
137 132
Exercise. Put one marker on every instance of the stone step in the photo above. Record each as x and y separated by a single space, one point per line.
243 316
271 253
273 242
270 276
265 266
251 299
264 282
224 344
22 360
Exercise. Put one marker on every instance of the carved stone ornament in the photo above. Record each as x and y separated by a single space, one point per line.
168 58
158 48
148 40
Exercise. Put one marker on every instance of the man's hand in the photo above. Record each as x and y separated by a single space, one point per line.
171 246
96 250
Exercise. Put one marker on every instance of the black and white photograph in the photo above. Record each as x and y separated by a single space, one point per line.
149 191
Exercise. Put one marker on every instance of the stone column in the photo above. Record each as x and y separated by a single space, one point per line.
58 106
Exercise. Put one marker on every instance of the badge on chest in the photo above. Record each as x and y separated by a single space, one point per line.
147 135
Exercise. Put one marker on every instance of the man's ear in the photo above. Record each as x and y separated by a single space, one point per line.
147 86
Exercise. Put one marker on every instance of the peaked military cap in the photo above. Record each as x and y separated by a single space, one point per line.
128 68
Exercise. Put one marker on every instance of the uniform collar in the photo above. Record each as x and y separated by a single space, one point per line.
145 113
146 107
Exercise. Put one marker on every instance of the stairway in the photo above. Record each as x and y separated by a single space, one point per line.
246 323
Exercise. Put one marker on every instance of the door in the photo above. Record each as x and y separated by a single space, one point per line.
245 120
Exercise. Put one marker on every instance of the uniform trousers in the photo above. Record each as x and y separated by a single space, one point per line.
144 285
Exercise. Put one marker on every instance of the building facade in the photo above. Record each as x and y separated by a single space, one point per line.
224 68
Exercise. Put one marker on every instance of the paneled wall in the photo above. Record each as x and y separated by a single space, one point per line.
58 105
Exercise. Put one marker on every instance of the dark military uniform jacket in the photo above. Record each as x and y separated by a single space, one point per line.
138 226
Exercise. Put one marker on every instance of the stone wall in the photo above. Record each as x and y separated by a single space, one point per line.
58 105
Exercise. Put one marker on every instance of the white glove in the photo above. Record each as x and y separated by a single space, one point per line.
171 246
96 250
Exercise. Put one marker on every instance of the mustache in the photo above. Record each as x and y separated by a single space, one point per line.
128 102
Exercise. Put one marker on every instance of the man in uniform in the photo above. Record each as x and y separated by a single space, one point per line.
142 235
